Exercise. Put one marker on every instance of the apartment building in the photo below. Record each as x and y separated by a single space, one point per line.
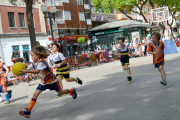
14 33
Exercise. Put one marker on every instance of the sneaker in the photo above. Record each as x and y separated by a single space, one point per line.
129 79
27 85
74 95
164 82
7 102
1 98
26 113
57 96
10 93
79 81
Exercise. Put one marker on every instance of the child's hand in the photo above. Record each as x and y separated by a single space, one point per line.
55 66
22 72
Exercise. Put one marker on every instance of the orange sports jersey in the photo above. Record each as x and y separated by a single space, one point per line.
47 76
2 78
160 57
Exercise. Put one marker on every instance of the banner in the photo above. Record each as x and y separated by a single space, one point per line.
170 47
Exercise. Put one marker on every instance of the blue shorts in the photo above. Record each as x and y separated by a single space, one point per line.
55 86
25 75
158 64
124 61
1 89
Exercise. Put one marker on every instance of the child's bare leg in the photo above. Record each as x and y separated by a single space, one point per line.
71 80
60 81
161 70
128 70
26 79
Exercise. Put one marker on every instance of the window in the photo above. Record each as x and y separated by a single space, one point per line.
92 9
144 9
149 21
80 2
81 16
11 19
135 8
148 10
67 15
21 19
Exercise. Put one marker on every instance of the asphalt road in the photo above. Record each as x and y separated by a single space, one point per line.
105 95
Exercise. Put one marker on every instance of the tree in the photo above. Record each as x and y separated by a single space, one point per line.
81 40
29 6
121 5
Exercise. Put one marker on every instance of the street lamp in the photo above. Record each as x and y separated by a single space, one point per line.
51 14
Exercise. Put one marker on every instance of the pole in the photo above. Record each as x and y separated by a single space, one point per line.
66 54
50 21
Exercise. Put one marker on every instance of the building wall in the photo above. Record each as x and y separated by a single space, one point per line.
7 43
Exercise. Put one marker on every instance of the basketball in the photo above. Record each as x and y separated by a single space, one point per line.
17 67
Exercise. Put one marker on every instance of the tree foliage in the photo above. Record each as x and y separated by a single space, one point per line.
81 40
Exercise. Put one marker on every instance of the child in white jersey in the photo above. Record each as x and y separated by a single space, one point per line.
62 70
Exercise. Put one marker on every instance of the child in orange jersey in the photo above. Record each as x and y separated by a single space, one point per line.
156 47
48 80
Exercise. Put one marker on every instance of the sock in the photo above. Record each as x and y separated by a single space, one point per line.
32 103
6 96
70 91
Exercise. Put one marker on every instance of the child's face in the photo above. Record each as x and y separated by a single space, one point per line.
121 43
154 39
89 48
54 48
34 57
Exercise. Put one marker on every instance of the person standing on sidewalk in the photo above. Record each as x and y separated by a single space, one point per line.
123 52
62 70
156 47
113 46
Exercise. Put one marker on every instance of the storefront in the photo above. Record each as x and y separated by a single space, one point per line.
22 44
72 44
110 31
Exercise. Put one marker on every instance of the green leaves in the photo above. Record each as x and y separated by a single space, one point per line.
81 40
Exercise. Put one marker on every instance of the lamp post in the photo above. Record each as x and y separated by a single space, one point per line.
50 15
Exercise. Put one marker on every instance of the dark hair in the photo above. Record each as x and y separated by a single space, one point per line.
113 42
15 49
58 47
41 51
157 35
89 46
19 60
121 38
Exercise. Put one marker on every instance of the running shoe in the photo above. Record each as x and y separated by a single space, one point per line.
57 96
79 81
7 102
164 82
74 94
10 93
129 79
26 113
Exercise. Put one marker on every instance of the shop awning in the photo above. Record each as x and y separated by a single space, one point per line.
69 37
122 25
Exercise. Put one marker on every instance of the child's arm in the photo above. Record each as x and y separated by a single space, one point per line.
7 70
29 71
60 64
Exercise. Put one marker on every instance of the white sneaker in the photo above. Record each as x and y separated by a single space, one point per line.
1 98
27 85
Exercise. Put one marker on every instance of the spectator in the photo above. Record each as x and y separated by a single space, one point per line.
97 52
143 48
132 49
161 38
110 55
100 46
50 47
15 56
104 47
88 52
113 46
126 43
105 51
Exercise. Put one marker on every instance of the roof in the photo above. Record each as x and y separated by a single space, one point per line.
122 25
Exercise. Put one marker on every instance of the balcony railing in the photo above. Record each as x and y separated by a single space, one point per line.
60 21
89 22
86 6
58 2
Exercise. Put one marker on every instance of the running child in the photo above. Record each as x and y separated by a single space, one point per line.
123 52
26 75
62 70
156 47
3 82
48 80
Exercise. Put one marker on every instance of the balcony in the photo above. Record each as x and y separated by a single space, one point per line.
86 6
103 17
89 22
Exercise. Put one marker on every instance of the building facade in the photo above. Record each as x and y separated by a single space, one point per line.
14 33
